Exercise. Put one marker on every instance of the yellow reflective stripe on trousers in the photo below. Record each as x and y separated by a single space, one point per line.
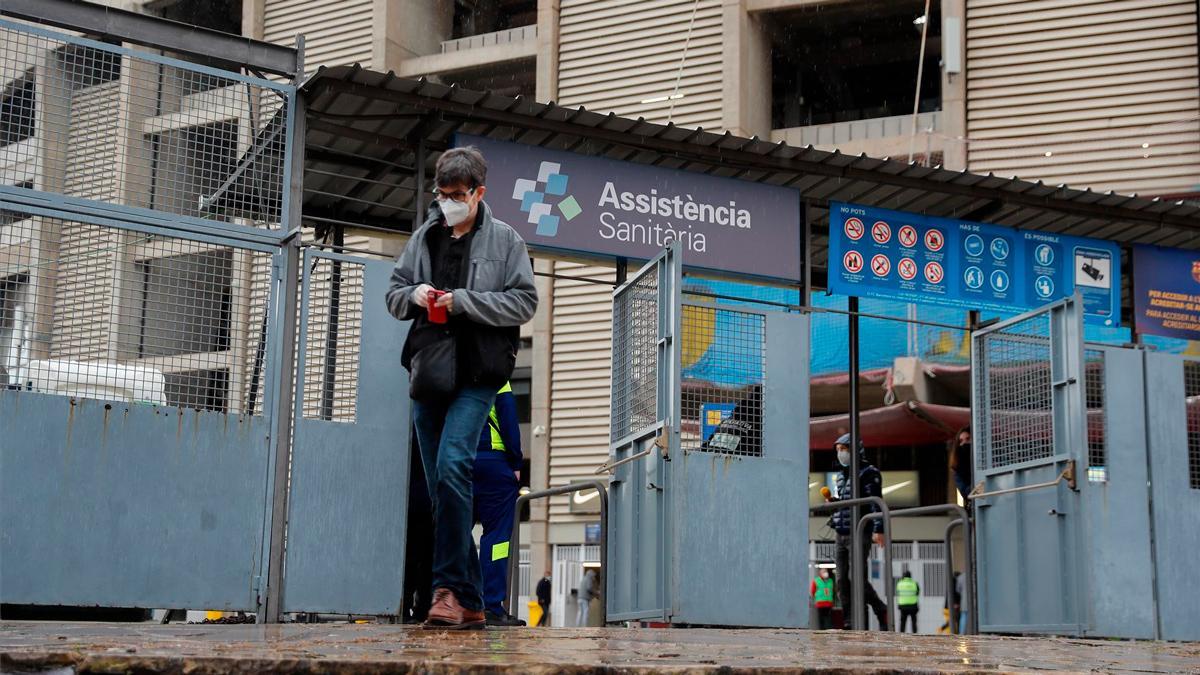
499 551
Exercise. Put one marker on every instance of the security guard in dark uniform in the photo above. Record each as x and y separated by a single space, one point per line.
497 480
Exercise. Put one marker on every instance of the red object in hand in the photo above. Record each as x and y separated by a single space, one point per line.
825 493
436 314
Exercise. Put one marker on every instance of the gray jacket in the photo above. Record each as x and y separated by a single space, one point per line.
500 289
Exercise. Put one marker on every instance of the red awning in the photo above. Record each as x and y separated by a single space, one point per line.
902 424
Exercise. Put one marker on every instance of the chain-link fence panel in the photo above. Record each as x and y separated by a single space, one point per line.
1097 415
724 366
1191 389
81 119
118 314
332 337
1012 367
635 357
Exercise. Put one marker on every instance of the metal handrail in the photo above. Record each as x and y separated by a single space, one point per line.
514 582
858 612
607 468
1067 475
969 558
954 612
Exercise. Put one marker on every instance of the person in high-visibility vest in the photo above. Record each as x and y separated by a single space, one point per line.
497 480
822 595
908 599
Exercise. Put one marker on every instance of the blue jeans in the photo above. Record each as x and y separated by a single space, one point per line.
448 434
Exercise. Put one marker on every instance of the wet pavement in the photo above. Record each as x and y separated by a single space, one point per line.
64 648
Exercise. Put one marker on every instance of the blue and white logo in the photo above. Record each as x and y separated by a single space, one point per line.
999 248
1044 286
973 276
999 281
1044 254
973 245
532 195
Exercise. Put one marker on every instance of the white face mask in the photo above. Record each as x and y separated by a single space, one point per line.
844 457
455 212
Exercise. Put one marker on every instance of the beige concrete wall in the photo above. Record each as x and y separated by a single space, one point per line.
1094 93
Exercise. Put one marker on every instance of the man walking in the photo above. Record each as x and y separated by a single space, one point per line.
465 281
908 599
872 486
497 480
543 597
587 591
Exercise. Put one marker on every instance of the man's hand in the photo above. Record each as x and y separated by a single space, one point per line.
877 538
447 301
421 295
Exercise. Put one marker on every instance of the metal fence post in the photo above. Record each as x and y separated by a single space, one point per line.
283 336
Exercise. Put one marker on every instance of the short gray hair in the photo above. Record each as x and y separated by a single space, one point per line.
461 166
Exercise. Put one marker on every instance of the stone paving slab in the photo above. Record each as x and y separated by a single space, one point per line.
65 648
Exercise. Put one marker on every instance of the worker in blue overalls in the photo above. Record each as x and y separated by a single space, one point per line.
497 479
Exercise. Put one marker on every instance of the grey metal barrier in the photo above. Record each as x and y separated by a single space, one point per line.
951 607
968 562
515 540
858 613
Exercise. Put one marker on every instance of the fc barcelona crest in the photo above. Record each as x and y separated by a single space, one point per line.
1196 270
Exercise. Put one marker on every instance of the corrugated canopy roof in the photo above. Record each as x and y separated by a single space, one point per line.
364 129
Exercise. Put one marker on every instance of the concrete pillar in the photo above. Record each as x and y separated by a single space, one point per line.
406 29
547 50
253 16
539 445
746 73
954 91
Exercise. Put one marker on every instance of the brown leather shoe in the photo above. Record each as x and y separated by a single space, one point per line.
447 614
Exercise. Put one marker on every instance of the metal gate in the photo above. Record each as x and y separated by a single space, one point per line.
645 425
348 497
142 251
1029 412
1173 426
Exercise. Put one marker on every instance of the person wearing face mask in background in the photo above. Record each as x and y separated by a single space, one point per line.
962 463
465 281
872 486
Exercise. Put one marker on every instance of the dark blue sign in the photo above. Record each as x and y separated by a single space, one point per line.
891 254
1166 286
562 201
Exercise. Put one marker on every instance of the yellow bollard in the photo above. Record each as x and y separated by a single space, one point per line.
535 612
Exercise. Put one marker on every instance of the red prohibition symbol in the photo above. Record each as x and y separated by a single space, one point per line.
853 262
881 232
934 240
934 273
907 269
880 265
854 228
908 236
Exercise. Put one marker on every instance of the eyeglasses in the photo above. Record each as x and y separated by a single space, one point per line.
457 196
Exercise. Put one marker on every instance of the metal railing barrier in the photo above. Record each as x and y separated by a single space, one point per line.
515 540
968 561
858 612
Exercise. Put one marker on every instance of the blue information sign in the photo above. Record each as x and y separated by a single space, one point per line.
1166 300
882 253
711 416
